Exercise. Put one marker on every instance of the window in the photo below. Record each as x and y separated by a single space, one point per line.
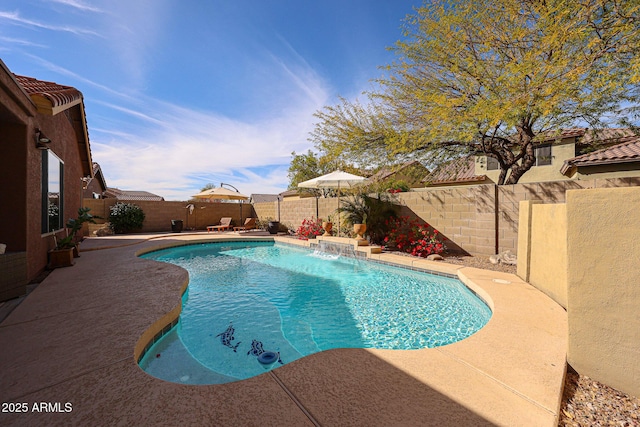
543 155
492 164
52 192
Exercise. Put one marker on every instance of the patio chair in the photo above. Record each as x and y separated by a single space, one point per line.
225 224
249 224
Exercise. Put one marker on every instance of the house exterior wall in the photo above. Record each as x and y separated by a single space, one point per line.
620 170
559 152
594 252
63 145
21 183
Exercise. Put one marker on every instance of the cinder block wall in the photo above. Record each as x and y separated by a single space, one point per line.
480 219
465 215
158 215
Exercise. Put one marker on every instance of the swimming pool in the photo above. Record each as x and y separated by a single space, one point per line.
253 302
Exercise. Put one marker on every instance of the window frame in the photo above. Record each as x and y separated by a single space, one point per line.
539 157
47 184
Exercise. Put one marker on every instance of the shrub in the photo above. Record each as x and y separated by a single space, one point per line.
125 217
373 211
413 237
310 228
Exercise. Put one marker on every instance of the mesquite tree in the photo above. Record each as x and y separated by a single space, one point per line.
490 77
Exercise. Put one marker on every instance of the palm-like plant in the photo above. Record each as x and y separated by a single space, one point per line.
370 210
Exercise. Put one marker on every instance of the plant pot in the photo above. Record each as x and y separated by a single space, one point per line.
359 229
327 226
61 258
176 225
273 227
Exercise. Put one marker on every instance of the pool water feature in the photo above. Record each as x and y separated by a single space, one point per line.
246 299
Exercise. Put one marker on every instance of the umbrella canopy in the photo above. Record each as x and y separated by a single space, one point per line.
220 193
336 179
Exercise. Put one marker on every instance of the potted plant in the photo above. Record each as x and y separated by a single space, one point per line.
273 226
361 227
327 226
67 248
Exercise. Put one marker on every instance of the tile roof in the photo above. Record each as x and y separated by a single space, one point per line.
460 170
625 152
57 95
387 172
131 195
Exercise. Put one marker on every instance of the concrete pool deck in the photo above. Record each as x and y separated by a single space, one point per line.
72 341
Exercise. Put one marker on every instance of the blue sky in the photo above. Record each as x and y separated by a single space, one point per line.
181 93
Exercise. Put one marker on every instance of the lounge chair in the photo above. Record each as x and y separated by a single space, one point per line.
249 224
225 224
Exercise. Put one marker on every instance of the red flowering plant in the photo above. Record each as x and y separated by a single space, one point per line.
310 228
413 236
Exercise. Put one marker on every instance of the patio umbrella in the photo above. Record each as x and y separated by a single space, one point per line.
336 179
220 193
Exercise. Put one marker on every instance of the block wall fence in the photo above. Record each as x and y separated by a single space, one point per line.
158 215
478 219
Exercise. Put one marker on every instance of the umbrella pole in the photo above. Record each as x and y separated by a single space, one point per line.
339 218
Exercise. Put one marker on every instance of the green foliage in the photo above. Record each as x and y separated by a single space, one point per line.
488 76
397 186
74 225
125 217
209 186
373 211
304 167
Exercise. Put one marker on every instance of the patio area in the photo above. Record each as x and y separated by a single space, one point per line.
72 340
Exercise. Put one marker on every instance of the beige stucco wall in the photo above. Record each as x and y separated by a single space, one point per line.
542 248
622 170
559 153
603 238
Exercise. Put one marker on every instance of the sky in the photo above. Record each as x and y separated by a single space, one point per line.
182 93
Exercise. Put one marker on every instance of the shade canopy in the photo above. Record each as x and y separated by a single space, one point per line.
220 193
335 179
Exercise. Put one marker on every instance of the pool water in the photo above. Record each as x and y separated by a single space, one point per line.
248 298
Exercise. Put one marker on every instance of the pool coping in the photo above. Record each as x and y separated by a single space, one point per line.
74 339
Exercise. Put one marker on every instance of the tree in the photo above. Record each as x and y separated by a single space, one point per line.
209 186
493 77
304 167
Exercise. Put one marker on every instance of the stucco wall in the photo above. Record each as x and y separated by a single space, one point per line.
559 153
585 254
603 241
542 248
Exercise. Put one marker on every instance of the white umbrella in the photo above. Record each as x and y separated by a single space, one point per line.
336 179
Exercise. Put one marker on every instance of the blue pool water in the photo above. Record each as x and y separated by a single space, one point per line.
247 298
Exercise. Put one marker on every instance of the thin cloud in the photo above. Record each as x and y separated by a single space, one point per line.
80 5
15 18
21 42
